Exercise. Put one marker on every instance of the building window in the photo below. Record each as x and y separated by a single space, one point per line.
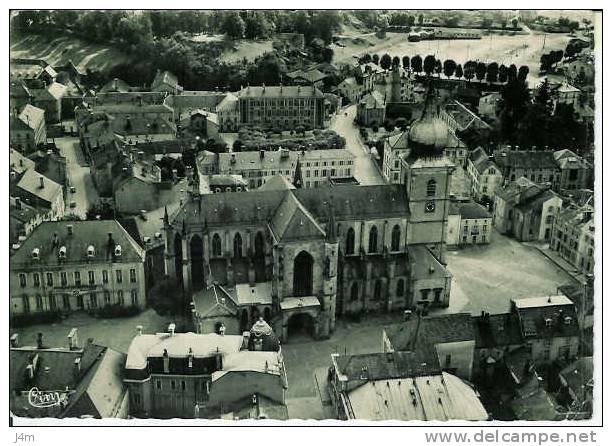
183 385
39 302
104 276
22 280
424 294
373 240
66 302
237 245
437 294
216 245
399 291
377 290
77 278
354 291
36 279
93 300
119 276
92 277
134 295
447 361
52 302
431 188
63 278
173 384
26 304
395 238
120 299
132 276
107 298
350 241
158 384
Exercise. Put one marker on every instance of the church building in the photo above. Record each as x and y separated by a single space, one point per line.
326 252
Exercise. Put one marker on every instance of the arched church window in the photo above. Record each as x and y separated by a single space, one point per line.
350 241
216 245
395 238
237 245
373 241
431 188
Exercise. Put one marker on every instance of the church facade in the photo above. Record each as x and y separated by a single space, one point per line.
326 252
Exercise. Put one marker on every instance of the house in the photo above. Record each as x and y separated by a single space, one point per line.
188 375
117 86
567 94
49 98
312 77
19 164
283 107
75 266
573 236
52 164
371 110
484 175
32 70
218 183
488 105
41 193
469 223
398 386
445 342
526 210
84 376
577 387
549 326
460 118
228 113
576 172
350 89
27 128
23 218
167 82
580 69
19 95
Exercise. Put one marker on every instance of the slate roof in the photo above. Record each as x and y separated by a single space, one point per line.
85 233
497 330
30 182
471 210
425 265
535 203
277 182
30 116
526 159
55 91
534 311
213 301
19 162
311 76
569 160
117 85
279 92
421 334
292 221
377 366
373 100
578 375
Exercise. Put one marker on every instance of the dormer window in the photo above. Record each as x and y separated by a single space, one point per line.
91 251
62 252
567 320
118 251
548 322
36 254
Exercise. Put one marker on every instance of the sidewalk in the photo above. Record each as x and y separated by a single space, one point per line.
570 269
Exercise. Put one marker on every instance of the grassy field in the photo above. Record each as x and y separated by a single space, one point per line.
248 49
60 50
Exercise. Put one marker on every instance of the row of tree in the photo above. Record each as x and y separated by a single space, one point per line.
492 72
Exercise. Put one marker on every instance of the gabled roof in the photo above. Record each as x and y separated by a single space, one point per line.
31 117
471 210
277 182
165 78
378 366
279 92
30 183
373 100
497 330
547 316
292 221
526 159
19 162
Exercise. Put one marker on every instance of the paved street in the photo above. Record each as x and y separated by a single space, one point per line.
79 176
365 170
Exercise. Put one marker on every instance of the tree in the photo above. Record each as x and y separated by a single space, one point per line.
367 58
411 20
375 59
327 54
396 61
515 97
406 62
233 25
512 72
449 67
523 72
256 26
385 61
502 76
545 62
469 70
515 23
237 145
486 22
429 65
543 96
438 67
492 72
481 70
459 71
420 19
416 63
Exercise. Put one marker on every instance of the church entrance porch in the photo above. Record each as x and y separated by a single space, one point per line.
300 317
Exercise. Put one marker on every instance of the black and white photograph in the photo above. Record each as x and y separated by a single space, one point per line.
268 216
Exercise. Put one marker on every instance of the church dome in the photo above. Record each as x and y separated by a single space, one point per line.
430 131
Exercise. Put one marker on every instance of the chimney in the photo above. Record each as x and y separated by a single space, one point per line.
39 341
139 330
42 182
171 328
262 154
15 340
18 203
73 339
166 359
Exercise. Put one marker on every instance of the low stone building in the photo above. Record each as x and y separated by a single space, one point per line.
371 110
484 175
576 172
469 223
